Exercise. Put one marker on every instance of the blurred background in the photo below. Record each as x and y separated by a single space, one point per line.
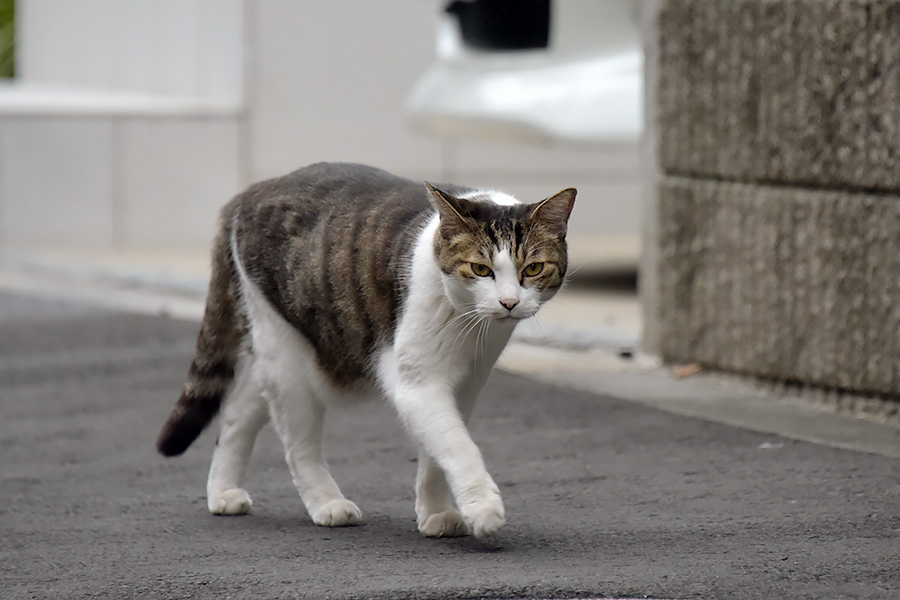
740 156
126 125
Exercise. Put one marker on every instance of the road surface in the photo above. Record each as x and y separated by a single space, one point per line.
605 498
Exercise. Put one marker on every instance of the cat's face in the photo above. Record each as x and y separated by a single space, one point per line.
501 261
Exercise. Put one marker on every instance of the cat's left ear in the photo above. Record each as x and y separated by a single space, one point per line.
556 209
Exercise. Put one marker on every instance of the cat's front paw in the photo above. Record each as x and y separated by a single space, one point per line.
448 523
234 501
485 517
337 513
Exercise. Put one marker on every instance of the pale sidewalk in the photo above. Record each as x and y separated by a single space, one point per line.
579 317
586 338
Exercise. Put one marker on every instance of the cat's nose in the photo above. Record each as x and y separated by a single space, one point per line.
509 303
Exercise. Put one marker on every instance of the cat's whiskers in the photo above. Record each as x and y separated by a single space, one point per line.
470 319
466 332
481 340
549 309
571 272
537 323
458 317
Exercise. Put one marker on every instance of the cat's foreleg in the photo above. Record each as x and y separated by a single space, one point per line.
431 414
435 511
298 419
245 413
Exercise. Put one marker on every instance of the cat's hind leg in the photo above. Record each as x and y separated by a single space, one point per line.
298 417
244 415
286 367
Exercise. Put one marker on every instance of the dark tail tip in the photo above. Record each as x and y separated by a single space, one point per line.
174 441
184 425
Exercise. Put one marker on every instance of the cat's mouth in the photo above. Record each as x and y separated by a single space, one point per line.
507 318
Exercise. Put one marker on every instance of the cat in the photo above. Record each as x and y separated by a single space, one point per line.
340 282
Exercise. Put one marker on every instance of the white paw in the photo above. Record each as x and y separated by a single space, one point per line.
486 516
444 524
230 502
337 513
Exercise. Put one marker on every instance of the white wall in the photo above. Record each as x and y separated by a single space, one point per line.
57 184
121 130
327 80
167 47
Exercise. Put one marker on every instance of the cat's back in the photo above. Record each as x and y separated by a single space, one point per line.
328 188
326 208
328 246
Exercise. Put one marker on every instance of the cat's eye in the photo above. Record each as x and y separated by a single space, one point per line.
533 269
481 270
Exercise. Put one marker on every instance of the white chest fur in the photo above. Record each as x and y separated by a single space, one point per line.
436 341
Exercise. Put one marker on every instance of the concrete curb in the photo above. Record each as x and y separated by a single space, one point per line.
710 396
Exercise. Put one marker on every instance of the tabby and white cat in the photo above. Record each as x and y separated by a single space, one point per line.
339 282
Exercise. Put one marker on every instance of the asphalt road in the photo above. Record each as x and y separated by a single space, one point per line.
604 498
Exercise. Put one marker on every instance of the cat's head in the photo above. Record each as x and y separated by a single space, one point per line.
499 258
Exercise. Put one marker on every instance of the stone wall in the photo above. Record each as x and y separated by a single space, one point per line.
779 203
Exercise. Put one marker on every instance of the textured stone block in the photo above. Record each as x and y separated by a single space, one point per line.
689 48
830 104
775 124
785 91
738 89
797 285
707 83
883 91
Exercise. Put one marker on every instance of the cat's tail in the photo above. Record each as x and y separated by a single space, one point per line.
215 357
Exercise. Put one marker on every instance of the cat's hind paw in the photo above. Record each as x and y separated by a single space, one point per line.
234 501
337 513
444 524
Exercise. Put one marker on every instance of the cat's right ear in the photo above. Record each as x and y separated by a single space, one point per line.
450 208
